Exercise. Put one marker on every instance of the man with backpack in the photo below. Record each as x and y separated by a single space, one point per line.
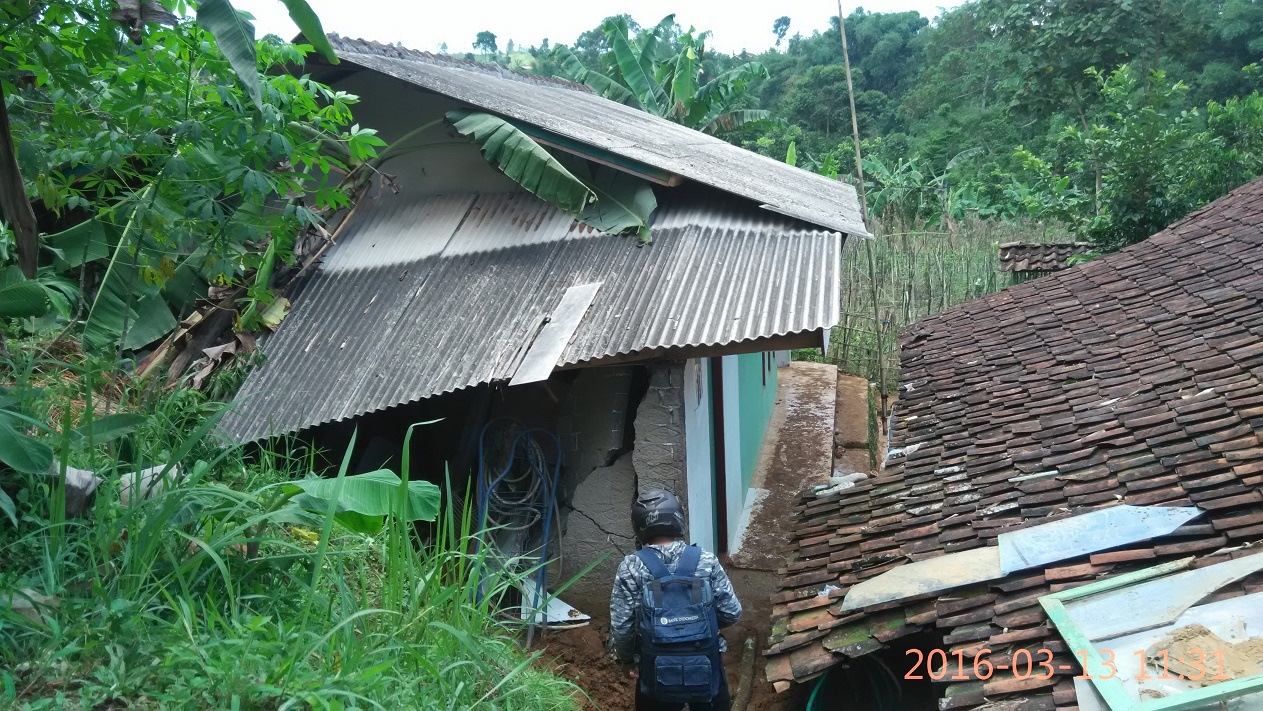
668 603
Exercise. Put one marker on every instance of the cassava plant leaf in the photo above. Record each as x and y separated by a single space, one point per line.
234 35
518 156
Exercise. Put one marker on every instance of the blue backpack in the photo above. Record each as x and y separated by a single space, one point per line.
679 635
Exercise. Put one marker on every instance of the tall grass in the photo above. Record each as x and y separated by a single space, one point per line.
207 595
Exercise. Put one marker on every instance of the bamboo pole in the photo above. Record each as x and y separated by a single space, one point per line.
868 244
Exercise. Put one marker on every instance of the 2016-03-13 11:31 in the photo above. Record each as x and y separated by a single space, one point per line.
1024 664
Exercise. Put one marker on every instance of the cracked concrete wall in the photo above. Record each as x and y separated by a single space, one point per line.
592 423
658 453
598 522
598 519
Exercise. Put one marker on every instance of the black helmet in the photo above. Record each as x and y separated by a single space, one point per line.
656 513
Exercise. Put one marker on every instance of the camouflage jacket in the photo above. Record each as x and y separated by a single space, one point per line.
633 575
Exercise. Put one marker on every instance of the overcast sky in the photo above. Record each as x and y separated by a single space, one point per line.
422 24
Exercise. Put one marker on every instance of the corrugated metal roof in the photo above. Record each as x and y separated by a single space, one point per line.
426 295
624 131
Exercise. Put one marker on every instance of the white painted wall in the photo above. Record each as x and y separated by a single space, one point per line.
698 465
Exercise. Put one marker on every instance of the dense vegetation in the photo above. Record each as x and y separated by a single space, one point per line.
1111 117
168 180
1000 120
236 582
172 179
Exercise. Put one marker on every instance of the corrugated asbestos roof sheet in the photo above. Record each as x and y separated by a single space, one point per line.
1136 378
426 295
1039 256
593 120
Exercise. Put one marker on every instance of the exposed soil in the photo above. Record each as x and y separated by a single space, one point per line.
579 654
797 455
850 453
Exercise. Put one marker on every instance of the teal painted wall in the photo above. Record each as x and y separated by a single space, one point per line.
709 374
756 374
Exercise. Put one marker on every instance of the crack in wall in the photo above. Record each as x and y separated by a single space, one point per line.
609 535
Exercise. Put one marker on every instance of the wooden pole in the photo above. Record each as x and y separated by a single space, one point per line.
855 126
13 203
868 243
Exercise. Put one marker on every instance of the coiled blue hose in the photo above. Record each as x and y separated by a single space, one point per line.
527 441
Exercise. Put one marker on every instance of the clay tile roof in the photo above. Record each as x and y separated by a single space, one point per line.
1135 378
1039 256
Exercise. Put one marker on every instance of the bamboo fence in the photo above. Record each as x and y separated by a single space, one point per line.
918 271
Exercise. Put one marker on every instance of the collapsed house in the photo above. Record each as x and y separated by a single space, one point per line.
595 366
1074 478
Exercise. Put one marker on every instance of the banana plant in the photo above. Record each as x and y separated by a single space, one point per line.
644 73
234 34
606 199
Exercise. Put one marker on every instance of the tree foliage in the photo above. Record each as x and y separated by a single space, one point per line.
161 148
485 42
780 26
661 71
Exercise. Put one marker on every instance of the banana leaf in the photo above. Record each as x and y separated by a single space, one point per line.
309 24
19 296
123 300
744 119
623 202
21 451
85 242
652 45
684 82
234 35
648 92
518 156
365 499
6 505
573 69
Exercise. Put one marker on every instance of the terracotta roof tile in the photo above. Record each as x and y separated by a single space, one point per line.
1128 379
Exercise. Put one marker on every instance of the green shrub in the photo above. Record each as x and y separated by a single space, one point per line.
210 596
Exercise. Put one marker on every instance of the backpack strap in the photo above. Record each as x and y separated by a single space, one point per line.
689 559
657 569
686 568
653 561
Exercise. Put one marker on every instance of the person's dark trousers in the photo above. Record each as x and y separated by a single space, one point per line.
721 702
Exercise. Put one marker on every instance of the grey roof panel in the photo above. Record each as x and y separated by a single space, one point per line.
561 108
427 295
